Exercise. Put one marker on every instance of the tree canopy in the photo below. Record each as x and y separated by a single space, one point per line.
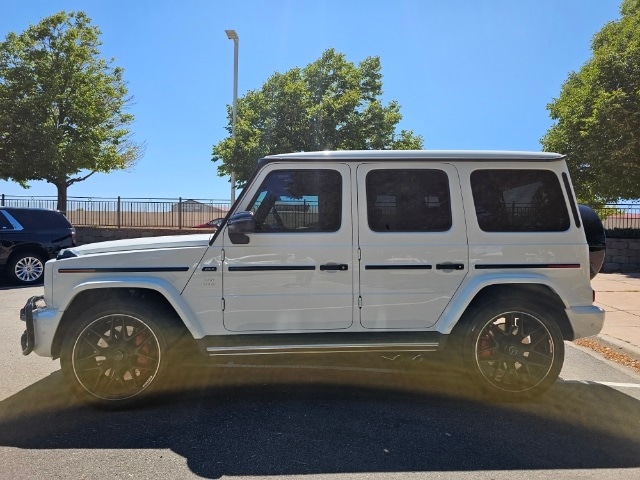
331 104
598 114
62 115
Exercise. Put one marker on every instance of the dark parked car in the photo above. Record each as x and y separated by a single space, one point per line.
28 238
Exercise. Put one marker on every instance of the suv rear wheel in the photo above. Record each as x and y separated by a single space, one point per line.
513 349
26 268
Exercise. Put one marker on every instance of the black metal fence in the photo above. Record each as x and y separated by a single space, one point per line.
129 212
620 221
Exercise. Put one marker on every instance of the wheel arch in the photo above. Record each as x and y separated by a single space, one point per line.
21 251
34 248
453 319
90 296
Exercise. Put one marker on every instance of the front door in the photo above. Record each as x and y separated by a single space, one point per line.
296 271
413 243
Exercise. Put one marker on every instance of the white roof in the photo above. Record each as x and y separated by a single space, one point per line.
464 155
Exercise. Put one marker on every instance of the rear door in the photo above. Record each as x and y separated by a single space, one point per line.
412 243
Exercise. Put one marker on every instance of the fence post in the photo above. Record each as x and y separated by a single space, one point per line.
2 203
179 213
119 210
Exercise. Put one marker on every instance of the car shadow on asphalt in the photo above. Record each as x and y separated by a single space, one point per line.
288 422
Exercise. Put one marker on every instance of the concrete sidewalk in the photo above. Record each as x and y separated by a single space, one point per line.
619 295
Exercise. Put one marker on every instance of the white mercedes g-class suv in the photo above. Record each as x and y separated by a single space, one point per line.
384 254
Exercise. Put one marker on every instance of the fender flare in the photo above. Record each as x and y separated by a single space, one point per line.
163 287
468 291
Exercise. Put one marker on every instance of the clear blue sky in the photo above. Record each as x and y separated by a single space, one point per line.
468 74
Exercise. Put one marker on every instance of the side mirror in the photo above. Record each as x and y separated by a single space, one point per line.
239 226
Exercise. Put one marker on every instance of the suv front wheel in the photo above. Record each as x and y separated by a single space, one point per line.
513 349
116 353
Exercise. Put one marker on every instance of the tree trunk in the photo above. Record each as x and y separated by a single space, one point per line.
62 197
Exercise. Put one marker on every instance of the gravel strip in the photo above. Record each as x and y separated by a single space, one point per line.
610 353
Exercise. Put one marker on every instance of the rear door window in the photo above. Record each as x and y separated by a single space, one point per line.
408 200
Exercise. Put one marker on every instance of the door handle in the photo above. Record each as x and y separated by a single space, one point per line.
450 266
334 267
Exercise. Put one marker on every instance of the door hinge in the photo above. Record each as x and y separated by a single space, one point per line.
222 255
359 302
359 254
222 304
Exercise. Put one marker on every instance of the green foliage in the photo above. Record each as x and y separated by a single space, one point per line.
331 104
598 114
61 106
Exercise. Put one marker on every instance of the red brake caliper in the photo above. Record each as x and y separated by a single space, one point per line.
142 360
485 345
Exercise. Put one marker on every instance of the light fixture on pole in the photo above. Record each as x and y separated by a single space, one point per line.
232 35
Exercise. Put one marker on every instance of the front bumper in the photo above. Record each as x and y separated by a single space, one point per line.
28 339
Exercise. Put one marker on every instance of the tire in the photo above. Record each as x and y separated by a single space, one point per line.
26 268
513 349
116 354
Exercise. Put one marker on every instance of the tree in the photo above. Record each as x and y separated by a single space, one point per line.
62 107
331 104
598 114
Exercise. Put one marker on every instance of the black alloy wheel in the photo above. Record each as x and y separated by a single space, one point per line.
115 356
514 351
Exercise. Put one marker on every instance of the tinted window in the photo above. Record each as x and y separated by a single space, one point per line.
299 201
40 219
519 201
409 200
4 223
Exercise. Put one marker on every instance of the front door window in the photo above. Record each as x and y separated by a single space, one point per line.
298 201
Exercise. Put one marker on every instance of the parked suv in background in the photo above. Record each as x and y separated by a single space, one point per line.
28 238
365 259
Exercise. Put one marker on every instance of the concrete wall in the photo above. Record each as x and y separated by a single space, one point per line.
623 255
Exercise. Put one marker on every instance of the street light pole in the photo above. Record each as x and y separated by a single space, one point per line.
232 35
